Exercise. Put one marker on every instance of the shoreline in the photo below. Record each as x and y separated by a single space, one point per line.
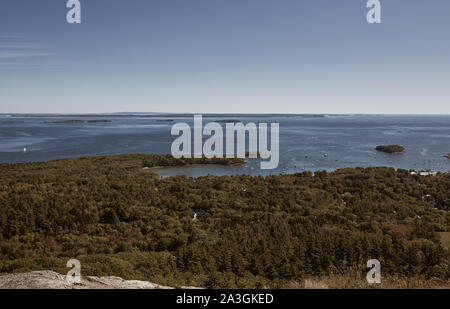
158 168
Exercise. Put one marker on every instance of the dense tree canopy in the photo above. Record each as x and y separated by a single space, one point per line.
120 219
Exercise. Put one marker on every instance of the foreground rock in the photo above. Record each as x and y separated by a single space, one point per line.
52 280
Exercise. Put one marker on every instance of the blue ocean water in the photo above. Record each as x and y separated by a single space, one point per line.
307 142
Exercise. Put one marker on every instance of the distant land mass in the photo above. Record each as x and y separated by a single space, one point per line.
168 115
77 121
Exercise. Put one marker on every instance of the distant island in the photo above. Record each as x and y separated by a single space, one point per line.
64 121
76 121
158 161
164 120
229 121
446 156
394 149
98 121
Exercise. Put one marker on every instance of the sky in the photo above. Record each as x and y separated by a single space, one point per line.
225 56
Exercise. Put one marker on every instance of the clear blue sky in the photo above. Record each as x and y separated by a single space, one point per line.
246 56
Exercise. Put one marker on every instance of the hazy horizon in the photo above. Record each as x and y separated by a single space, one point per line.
227 113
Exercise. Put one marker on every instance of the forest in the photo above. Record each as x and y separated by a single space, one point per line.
121 219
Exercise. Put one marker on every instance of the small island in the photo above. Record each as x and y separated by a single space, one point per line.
75 121
229 121
393 149
63 121
446 156
98 121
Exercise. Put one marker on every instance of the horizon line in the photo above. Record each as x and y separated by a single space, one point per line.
218 113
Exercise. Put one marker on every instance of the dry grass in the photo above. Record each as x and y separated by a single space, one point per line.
356 280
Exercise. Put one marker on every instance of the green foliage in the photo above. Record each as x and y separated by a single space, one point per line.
154 160
122 220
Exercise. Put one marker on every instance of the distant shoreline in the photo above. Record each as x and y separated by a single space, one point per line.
157 168
208 115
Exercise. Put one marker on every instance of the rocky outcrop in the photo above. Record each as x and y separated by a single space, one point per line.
51 280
